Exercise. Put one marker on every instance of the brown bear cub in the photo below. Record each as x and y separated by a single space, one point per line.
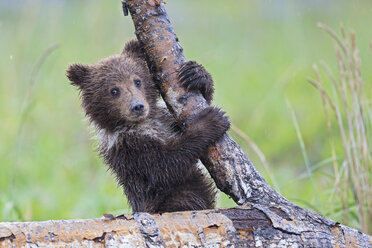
153 160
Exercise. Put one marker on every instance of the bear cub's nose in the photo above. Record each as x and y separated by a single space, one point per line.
137 108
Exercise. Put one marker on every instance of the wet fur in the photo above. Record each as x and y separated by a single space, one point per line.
154 162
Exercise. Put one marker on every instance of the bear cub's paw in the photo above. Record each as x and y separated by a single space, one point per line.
193 76
212 123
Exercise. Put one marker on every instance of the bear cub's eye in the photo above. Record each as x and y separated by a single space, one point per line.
137 83
114 91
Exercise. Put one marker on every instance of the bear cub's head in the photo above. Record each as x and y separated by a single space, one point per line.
117 91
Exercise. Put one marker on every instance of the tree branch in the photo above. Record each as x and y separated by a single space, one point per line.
230 168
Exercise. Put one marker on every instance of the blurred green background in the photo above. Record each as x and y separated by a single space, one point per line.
259 53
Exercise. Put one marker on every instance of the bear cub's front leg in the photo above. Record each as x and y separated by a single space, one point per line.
193 76
208 126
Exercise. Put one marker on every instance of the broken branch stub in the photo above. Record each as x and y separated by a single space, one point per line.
230 168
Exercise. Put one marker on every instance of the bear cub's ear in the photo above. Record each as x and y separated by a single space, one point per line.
134 49
78 74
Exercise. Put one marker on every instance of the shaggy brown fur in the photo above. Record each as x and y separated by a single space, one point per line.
154 162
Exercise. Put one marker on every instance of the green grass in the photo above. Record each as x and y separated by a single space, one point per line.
258 52
349 119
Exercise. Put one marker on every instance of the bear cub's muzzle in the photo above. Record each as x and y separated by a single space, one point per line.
137 108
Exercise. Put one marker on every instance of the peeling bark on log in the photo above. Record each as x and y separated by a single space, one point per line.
247 226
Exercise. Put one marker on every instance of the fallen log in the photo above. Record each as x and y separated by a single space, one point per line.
247 226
